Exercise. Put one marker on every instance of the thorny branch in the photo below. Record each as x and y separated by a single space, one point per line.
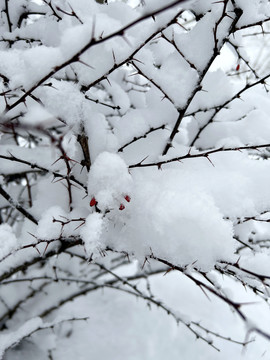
197 87
204 154
93 42
235 305
92 275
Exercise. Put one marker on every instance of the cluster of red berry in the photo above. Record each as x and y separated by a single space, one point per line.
93 202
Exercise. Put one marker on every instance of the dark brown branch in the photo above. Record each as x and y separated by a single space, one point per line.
40 328
25 265
226 103
26 15
152 81
197 88
162 127
11 312
42 169
200 155
235 305
90 289
8 17
82 139
17 206
93 42
49 3
102 103
258 23
240 56
129 59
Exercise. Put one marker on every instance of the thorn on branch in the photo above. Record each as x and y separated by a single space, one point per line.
208 158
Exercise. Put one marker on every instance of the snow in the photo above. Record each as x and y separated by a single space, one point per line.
252 12
91 233
201 39
38 116
47 198
118 222
8 241
216 86
175 76
11 339
184 226
25 68
48 229
109 180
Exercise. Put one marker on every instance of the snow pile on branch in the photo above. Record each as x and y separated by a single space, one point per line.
8 241
109 180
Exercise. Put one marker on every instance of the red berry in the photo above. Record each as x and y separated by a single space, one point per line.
127 198
93 202
121 207
237 67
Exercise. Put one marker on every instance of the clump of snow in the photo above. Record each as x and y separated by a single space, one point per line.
253 11
132 124
99 133
38 116
8 240
49 193
201 7
252 128
229 142
91 233
174 76
48 229
177 221
120 98
75 38
109 180
216 90
63 92
199 38
10 339
29 66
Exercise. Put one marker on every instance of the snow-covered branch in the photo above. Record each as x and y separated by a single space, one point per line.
109 111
